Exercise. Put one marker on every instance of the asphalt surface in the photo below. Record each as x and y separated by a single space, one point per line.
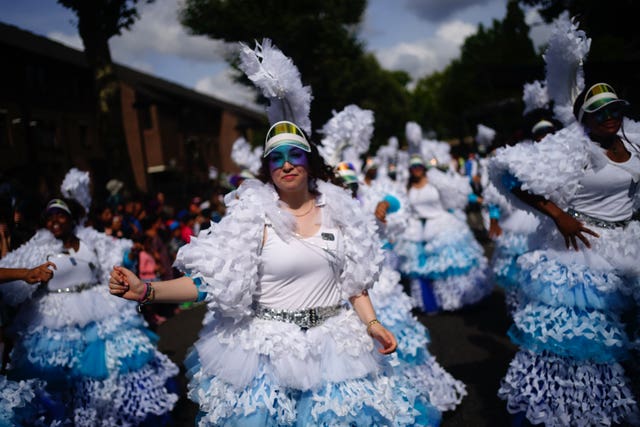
471 344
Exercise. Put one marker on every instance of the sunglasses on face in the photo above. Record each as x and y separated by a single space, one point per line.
287 154
607 113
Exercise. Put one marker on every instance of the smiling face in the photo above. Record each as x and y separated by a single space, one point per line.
288 166
605 122
59 223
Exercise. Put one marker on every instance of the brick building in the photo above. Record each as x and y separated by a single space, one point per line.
47 121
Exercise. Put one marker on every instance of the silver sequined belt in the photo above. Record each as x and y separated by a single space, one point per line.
305 319
77 288
596 221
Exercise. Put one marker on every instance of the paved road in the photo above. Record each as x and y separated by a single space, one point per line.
471 344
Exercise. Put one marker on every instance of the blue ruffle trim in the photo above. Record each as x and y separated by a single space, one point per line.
557 284
510 182
198 282
579 334
88 354
508 277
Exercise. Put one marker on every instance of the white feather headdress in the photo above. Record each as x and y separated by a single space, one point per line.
245 157
279 80
347 136
485 135
564 57
535 96
76 185
413 133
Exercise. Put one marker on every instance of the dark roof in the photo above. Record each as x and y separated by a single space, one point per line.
17 37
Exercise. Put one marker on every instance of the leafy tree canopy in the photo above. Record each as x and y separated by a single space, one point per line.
485 84
614 56
321 38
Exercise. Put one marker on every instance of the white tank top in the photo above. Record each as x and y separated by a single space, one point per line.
74 268
608 193
426 202
301 273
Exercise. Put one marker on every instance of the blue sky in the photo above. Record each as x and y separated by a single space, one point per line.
418 36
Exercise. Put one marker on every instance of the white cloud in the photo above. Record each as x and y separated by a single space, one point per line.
540 31
158 31
455 32
223 87
423 57
73 41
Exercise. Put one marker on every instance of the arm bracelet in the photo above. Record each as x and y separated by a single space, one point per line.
149 295
371 323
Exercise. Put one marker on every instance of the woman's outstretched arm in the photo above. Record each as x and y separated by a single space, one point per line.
124 283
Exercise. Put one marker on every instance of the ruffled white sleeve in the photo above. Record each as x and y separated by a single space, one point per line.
454 189
224 259
550 168
110 250
33 253
363 255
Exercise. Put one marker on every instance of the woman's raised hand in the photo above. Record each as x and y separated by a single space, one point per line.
124 283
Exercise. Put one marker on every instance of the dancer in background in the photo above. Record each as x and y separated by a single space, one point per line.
347 135
439 253
579 285
87 346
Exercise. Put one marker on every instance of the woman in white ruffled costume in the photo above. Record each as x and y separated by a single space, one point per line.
439 252
385 201
279 346
579 284
21 402
94 352
512 229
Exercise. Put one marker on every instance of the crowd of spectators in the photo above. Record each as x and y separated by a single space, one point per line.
156 227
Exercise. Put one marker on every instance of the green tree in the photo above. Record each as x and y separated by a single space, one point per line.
97 22
614 56
485 84
321 38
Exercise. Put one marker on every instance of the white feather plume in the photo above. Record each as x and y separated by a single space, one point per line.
568 48
413 133
347 135
279 79
485 135
535 96
76 185
435 153
246 157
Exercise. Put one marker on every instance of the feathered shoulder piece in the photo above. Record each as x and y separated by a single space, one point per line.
564 57
551 168
362 247
347 135
535 96
31 254
76 186
279 80
246 157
